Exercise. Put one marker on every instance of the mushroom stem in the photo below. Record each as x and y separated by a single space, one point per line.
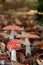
12 34
13 55
28 49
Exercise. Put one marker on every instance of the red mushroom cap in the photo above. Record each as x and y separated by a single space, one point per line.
13 44
13 27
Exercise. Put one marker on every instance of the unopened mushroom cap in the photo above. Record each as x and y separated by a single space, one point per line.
13 44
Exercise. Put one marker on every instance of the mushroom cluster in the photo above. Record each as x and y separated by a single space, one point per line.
20 38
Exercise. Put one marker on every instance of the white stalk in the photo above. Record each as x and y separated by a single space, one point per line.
28 49
12 34
13 55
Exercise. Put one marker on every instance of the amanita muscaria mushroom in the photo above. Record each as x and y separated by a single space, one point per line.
27 41
12 46
12 28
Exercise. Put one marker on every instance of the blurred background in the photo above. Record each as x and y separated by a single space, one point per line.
7 6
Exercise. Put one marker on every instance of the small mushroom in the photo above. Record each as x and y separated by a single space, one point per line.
12 28
27 42
13 45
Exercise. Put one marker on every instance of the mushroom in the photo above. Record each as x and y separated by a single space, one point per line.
27 42
13 45
12 28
